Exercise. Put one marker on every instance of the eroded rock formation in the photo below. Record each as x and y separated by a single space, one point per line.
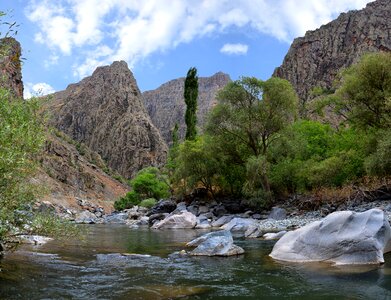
315 59
11 72
70 175
343 237
105 111
166 105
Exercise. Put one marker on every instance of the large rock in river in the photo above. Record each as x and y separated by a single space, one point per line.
343 237
239 224
178 221
217 243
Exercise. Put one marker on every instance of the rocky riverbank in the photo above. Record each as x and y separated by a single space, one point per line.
213 215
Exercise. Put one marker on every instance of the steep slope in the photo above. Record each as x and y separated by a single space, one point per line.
105 111
68 172
316 58
166 105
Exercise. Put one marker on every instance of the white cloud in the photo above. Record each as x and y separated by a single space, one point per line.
51 61
234 49
134 29
36 90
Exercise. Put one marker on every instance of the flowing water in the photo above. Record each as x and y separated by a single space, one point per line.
102 266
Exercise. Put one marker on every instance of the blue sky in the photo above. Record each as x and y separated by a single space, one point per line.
65 40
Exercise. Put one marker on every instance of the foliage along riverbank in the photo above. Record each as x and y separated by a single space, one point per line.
259 145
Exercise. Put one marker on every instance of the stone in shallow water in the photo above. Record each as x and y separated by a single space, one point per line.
274 235
222 220
183 220
86 217
116 218
217 243
35 239
343 237
163 206
239 224
253 231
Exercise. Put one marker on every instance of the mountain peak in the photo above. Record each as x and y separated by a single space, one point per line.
105 111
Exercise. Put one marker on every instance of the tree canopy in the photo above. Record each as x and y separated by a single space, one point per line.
191 95
363 94
251 112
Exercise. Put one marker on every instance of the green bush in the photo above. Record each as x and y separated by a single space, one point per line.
150 183
287 176
21 140
379 162
49 224
148 203
128 201
336 170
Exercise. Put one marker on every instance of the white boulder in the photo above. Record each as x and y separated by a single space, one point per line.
239 224
184 219
274 235
343 237
217 243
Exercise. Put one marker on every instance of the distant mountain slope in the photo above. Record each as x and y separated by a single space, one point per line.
105 112
316 58
166 105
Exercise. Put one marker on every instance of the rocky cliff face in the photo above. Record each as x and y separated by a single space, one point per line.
166 105
105 111
315 59
11 72
71 174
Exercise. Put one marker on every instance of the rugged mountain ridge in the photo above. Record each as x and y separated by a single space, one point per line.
11 72
105 112
166 106
68 171
315 59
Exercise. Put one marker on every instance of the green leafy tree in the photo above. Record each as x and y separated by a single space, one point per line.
363 96
21 139
150 183
311 154
175 135
249 117
191 95
197 165
378 163
128 201
251 112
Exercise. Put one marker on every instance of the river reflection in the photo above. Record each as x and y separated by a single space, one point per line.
103 266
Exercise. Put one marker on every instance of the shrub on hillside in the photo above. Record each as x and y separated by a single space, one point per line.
128 201
148 203
150 183
379 162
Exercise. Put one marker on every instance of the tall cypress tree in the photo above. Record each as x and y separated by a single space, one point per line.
191 94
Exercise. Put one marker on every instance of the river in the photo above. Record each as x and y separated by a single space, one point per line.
102 266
